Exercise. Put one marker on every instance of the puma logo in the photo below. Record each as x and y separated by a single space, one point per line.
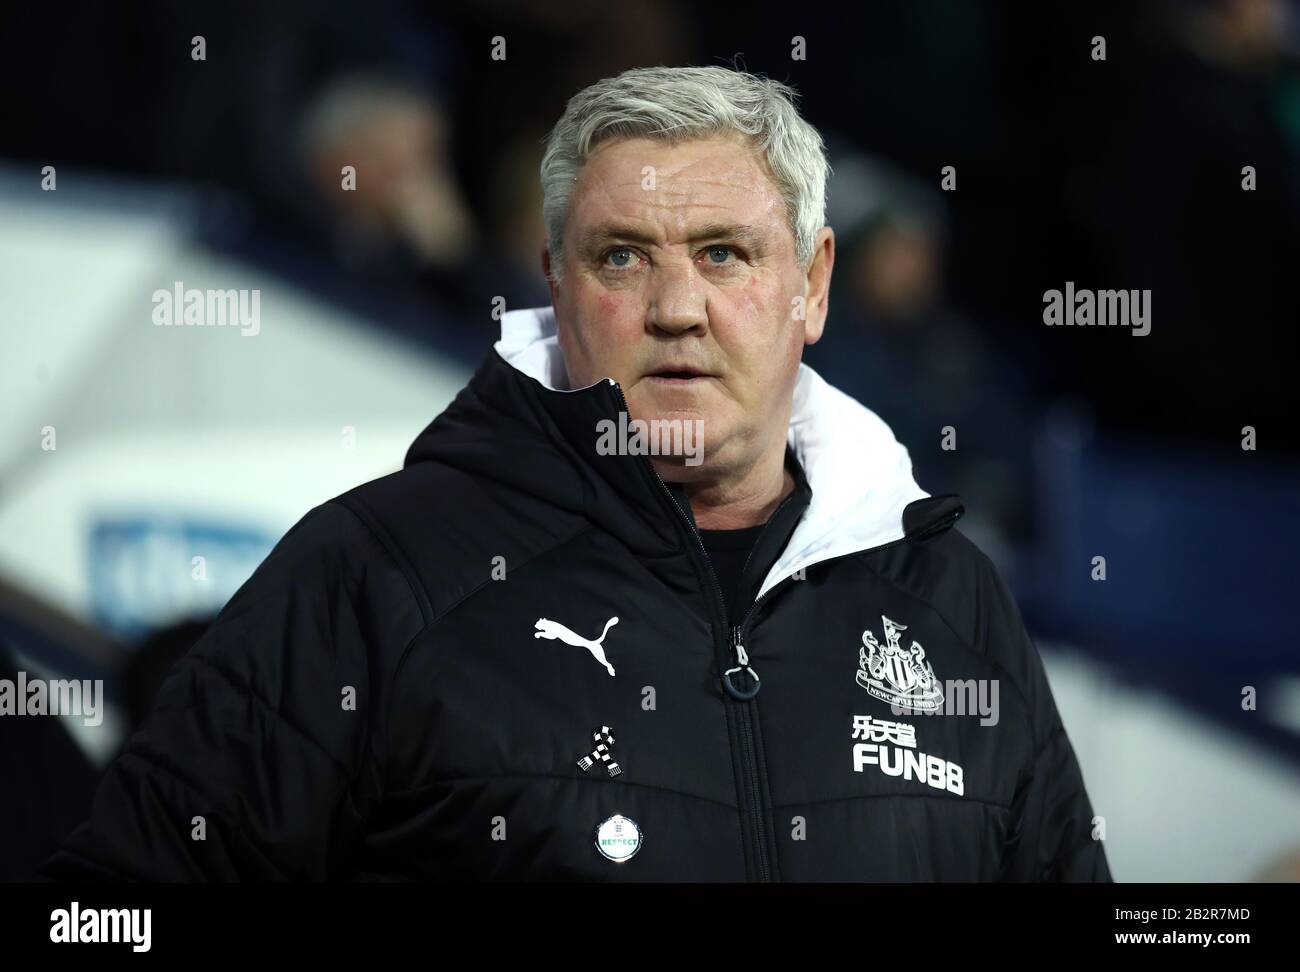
553 629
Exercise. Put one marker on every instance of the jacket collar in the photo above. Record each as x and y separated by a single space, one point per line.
860 476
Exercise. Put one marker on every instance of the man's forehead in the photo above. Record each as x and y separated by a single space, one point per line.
700 188
623 162
754 237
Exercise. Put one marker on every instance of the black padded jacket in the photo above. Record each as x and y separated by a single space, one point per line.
510 660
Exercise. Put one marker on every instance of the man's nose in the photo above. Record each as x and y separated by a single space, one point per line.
677 302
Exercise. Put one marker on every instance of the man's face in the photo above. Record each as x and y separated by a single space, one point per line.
681 283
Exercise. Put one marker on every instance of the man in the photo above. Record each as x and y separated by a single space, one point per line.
649 601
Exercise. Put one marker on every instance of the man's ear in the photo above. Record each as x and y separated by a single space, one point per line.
546 272
817 285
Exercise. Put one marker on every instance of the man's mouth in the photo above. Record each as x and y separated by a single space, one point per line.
678 375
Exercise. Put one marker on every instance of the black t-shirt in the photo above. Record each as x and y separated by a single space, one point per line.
741 558
728 550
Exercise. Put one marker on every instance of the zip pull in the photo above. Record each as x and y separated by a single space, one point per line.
742 656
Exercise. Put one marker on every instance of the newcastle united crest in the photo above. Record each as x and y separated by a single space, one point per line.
897 675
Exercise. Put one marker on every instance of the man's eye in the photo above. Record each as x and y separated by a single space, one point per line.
718 253
622 257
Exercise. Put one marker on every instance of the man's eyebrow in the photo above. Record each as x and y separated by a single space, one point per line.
743 234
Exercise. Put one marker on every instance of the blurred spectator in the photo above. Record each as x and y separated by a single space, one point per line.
400 193
897 344
1157 192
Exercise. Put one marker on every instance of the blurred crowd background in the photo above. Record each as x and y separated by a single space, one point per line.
1072 443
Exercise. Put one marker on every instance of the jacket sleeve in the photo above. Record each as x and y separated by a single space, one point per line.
260 759
1051 830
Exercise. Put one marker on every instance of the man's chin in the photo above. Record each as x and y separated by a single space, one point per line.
680 469
674 439
679 426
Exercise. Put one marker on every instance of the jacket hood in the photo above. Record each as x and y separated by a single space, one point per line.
518 421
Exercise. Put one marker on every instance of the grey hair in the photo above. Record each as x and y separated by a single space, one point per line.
672 104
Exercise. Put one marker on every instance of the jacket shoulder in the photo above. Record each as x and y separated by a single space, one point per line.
447 529
949 573
957 580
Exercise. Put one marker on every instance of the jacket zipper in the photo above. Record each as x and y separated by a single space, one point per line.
737 640
754 809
